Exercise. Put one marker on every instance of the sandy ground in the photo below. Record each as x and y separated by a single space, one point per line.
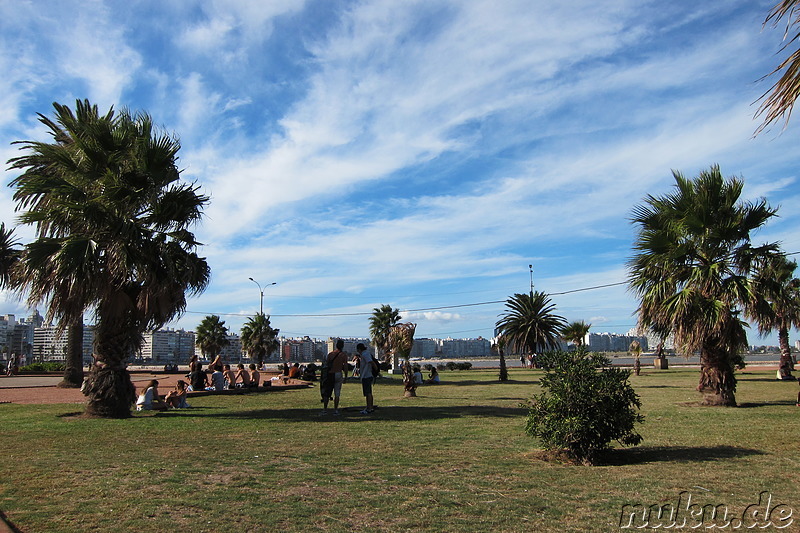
31 389
42 389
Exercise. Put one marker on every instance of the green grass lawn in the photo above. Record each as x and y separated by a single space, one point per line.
453 459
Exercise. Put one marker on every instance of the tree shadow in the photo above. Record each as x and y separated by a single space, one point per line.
381 414
751 405
673 454
755 377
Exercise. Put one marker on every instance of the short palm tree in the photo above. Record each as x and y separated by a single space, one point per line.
776 299
112 220
211 336
530 324
690 271
383 319
259 338
575 332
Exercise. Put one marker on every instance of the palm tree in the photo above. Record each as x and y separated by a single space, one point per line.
9 255
500 348
383 319
401 339
690 271
259 338
211 336
776 299
112 223
530 323
575 332
635 349
779 100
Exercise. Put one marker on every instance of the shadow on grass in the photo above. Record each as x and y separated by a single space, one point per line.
381 414
673 454
771 379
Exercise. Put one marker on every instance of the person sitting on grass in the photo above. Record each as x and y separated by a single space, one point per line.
255 377
417 375
198 379
177 398
217 379
149 399
294 371
230 377
242 378
433 377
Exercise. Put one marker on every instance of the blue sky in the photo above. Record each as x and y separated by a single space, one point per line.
416 153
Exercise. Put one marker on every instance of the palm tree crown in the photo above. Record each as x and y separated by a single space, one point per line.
211 336
690 271
530 323
575 332
259 338
779 100
9 255
775 304
383 319
112 225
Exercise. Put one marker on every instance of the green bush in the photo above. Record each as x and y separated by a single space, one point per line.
452 365
585 404
43 367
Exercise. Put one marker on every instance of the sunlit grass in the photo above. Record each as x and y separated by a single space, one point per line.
453 459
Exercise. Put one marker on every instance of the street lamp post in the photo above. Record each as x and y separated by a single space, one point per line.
260 290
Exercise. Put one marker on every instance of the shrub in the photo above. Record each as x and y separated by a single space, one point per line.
451 365
585 404
428 367
463 366
43 367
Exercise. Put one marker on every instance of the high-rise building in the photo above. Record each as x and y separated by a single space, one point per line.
50 344
168 346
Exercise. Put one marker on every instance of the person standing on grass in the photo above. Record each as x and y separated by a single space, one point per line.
333 377
368 370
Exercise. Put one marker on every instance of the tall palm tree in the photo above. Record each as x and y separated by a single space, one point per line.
779 100
112 220
575 332
383 319
690 271
776 299
211 336
259 338
530 324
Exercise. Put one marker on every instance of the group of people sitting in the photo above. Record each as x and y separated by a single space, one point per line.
433 376
223 377
150 399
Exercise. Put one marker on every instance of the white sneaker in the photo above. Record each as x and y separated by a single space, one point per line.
366 412
336 412
323 413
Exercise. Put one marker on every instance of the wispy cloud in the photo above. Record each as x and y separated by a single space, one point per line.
416 153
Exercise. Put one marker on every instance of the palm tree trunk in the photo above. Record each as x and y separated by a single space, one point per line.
73 371
783 341
109 388
717 382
